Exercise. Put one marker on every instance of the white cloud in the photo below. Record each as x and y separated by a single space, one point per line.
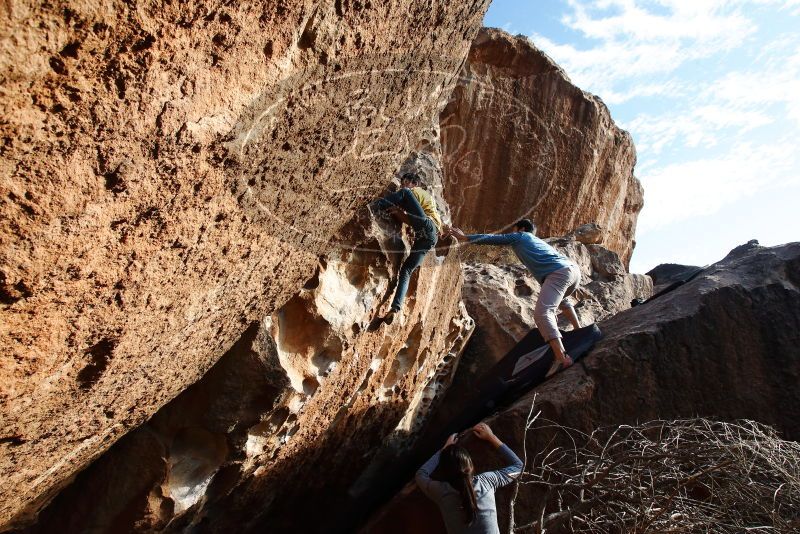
776 83
701 125
599 69
683 190
702 21
670 88
635 41
748 80
725 110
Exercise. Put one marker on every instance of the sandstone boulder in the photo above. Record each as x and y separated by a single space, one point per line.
170 174
520 140
295 412
605 264
588 234
666 274
722 346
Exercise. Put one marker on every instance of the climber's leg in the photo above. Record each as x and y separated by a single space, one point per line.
566 305
405 200
554 288
425 240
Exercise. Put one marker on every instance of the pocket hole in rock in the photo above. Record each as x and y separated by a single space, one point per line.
99 355
195 455
365 382
310 386
259 435
422 357
400 366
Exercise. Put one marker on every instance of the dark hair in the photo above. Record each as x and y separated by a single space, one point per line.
526 225
457 469
412 177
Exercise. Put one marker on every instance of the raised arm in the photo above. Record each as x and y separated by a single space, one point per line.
423 476
493 239
392 199
485 239
505 475
426 484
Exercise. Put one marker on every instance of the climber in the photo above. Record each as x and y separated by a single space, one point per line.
557 274
417 208
465 500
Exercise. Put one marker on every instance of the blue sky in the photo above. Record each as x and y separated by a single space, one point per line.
710 91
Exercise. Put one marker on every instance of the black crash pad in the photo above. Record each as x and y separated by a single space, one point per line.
522 369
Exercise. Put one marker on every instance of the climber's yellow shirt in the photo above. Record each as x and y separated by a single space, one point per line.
428 206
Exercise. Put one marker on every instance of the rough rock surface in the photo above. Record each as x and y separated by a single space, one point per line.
171 173
588 234
312 389
667 274
724 346
518 139
501 298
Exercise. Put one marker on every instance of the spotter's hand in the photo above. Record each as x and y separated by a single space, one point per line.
458 234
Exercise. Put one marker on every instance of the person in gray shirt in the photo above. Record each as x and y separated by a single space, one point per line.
466 500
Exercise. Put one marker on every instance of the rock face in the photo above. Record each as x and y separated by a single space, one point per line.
667 274
724 345
171 174
588 234
293 413
501 298
518 139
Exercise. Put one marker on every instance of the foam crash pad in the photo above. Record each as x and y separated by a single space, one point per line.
523 368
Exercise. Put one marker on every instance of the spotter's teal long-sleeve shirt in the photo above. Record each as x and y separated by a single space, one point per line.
540 258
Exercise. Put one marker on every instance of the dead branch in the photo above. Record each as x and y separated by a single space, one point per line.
687 476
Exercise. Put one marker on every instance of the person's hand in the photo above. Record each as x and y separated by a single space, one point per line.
458 234
451 440
483 431
399 214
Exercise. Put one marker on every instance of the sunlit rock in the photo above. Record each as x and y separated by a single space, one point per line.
520 140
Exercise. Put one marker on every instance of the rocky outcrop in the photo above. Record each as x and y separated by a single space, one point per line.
668 274
723 345
519 140
171 174
294 412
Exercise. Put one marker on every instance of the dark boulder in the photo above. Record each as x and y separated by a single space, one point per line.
725 345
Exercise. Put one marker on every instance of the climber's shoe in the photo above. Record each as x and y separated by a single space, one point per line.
389 317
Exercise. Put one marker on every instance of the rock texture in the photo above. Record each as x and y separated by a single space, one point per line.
293 413
518 139
724 346
171 173
667 274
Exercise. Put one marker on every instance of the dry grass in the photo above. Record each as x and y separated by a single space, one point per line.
686 476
